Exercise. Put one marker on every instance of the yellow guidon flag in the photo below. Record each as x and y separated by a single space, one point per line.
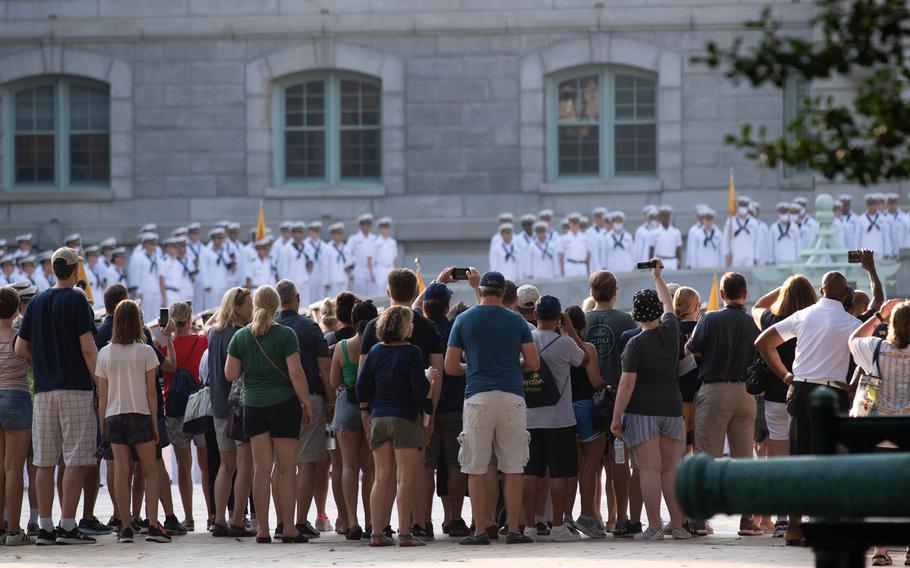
731 197
713 300
420 285
84 277
260 224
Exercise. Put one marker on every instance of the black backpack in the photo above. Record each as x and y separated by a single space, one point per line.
540 386
604 400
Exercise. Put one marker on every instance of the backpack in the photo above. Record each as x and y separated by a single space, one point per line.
540 386
604 400
182 386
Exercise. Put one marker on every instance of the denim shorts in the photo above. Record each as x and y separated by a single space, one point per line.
584 420
15 410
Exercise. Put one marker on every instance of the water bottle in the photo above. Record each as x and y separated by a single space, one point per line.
331 442
619 451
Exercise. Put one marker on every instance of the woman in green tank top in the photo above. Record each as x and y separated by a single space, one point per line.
354 445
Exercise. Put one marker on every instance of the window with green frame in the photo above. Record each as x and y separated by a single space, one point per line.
59 134
328 129
601 123
796 90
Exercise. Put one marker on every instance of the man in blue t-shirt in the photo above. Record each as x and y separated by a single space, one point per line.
58 329
493 339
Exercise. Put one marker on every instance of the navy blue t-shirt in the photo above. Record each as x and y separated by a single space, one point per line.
312 345
392 380
54 320
491 337
451 397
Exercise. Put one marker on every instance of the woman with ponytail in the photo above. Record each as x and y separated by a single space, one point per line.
276 401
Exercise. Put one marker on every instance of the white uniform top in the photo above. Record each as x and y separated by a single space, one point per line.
848 223
362 247
145 275
96 276
317 250
338 258
900 231
262 271
643 240
237 277
194 255
785 241
386 251
708 247
838 225
766 253
743 240
618 251
691 236
576 247
807 230
292 264
665 241
596 236
115 276
504 258
540 260
873 233
215 272
40 281
172 272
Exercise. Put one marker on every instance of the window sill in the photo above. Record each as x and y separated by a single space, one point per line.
326 190
629 185
81 194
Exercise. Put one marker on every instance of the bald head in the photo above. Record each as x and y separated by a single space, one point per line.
834 286
861 303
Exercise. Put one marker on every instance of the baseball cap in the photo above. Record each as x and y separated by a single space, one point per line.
528 296
439 292
646 306
548 308
67 254
494 280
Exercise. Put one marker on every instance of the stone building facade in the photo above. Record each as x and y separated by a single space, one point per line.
439 113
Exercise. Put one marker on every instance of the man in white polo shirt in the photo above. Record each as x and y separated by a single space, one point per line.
822 359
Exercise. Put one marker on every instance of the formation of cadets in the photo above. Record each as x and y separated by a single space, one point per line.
182 267
539 248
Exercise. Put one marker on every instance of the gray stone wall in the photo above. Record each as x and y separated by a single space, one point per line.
462 103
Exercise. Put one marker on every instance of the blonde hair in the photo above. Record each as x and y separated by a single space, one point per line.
899 326
588 304
393 324
328 312
181 313
265 306
684 300
227 312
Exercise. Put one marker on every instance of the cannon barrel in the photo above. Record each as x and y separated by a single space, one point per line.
869 485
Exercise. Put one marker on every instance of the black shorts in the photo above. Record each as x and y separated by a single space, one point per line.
554 449
281 420
128 429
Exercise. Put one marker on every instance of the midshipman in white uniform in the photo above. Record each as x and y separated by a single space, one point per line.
362 245
317 250
575 249
785 237
743 237
872 231
644 233
666 240
504 255
261 270
145 277
618 246
217 268
540 256
708 245
294 260
340 261
386 255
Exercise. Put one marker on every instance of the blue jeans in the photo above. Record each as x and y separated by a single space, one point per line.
15 410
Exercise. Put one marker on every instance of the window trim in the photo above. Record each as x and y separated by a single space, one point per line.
606 76
332 129
62 174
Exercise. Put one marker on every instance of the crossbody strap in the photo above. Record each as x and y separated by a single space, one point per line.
267 358
876 356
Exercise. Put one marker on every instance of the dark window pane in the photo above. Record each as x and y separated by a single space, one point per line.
34 158
360 151
90 108
635 148
89 158
304 155
304 105
635 97
579 150
34 110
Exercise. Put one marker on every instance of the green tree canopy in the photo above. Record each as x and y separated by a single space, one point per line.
863 142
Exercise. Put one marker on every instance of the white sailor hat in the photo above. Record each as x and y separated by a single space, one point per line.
2 243
794 207
233 226
617 215
45 256
25 289
336 227
181 240
649 210
665 208
265 241
223 223
845 197
564 222
26 237
505 227
170 242
599 211
540 226
298 226
285 225
314 225
871 198
94 249
27 259
892 197
710 213
505 217
7 259
700 209
574 216
743 200
180 232
365 218
527 218
148 236
548 213
216 232
119 251
109 242
783 206
584 220
385 222
879 196
755 205
193 227
149 228
801 201
838 204
72 238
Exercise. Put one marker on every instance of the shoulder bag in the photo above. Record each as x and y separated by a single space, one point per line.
868 394
540 386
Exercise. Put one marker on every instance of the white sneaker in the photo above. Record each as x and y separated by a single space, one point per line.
561 533
650 534
530 532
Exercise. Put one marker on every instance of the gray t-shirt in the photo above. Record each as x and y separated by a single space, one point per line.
654 355
605 327
561 356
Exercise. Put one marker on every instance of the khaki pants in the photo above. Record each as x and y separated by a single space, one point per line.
724 409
